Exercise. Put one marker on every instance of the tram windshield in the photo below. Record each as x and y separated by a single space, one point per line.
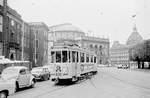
59 57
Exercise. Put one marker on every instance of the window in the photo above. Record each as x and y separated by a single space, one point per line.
82 57
37 55
12 22
77 57
91 58
58 56
64 56
1 22
52 57
87 58
37 43
94 59
69 56
22 72
73 56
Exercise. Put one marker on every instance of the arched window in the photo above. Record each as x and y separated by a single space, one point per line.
91 46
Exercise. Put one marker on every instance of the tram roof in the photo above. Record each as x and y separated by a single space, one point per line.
77 48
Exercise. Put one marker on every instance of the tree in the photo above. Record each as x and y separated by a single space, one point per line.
140 53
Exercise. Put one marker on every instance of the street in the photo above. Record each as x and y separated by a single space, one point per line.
110 82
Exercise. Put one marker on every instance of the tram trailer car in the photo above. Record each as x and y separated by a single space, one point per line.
71 63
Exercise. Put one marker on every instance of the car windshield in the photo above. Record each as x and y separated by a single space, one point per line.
36 70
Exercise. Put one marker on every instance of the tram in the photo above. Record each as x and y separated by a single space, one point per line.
70 62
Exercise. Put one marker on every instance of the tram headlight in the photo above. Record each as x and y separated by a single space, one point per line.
65 70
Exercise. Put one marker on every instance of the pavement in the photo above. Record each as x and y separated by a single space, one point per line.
110 82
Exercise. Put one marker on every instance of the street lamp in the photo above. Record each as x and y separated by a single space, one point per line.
35 48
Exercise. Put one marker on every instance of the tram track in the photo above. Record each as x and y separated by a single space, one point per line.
59 87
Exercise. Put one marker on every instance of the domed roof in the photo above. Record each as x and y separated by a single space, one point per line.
134 38
65 27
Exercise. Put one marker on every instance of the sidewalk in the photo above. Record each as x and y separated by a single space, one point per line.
141 70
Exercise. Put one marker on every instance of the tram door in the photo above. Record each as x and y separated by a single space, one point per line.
76 62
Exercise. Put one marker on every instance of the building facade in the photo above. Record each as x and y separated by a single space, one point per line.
26 38
1 26
67 33
39 43
99 45
119 53
13 35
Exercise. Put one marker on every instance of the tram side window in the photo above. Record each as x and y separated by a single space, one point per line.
87 58
73 56
82 57
64 56
52 57
58 56
91 58
69 56
94 59
77 57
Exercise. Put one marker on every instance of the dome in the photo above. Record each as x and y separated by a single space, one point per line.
65 27
134 38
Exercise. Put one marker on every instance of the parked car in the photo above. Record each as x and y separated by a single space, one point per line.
41 73
14 78
123 66
6 87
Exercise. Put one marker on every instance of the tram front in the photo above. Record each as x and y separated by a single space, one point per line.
60 65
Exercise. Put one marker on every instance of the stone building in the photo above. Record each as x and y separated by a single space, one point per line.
119 53
39 43
26 39
67 33
13 35
1 26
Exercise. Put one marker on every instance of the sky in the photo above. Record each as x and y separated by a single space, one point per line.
113 19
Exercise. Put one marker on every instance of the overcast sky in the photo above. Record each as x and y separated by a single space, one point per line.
104 18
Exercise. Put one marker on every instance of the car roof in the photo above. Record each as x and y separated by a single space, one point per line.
17 67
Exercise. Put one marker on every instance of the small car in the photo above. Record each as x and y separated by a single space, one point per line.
41 73
21 76
123 66
13 78
6 87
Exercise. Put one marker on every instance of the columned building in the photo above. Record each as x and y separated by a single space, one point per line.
119 53
99 45
68 33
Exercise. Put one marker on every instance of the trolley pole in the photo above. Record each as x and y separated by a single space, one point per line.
4 32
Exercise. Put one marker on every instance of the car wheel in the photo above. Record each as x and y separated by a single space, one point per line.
32 84
16 87
57 81
3 95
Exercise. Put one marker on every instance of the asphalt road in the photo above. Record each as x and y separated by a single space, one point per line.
108 83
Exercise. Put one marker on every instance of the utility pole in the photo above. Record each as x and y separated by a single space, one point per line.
22 52
35 48
4 33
